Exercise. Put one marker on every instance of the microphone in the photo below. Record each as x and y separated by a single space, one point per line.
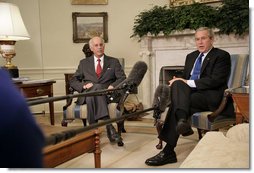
135 77
162 99
131 83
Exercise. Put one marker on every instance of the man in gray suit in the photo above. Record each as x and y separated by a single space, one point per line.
97 72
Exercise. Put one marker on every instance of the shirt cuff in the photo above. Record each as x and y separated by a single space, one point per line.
191 83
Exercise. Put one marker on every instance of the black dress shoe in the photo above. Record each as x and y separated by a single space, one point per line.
113 136
111 133
183 128
161 159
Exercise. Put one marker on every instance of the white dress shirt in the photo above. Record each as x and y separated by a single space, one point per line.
96 62
192 83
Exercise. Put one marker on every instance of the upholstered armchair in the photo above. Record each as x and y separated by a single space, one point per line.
211 121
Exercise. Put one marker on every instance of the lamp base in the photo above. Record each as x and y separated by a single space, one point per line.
14 72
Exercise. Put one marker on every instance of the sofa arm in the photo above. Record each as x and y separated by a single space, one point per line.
215 150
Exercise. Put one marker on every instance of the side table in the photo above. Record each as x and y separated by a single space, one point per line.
38 89
241 99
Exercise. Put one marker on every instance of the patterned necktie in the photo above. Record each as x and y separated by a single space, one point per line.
98 68
197 68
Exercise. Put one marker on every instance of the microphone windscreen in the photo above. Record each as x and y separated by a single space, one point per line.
138 72
162 97
136 75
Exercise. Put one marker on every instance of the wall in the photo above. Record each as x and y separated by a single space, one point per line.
51 52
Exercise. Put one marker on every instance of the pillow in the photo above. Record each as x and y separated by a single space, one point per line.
239 133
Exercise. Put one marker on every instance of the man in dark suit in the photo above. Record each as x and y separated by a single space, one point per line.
200 89
97 72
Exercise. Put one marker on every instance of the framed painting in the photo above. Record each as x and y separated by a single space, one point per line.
89 2
88 25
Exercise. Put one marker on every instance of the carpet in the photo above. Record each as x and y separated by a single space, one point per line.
139 144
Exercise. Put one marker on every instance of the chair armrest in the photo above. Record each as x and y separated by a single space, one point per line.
69 100
221 107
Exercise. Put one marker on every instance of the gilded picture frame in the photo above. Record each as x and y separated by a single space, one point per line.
175 3
89 2
88 25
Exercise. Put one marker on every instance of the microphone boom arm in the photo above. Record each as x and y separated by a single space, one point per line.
69 96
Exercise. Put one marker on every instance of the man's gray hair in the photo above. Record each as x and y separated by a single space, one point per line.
210 31
91 41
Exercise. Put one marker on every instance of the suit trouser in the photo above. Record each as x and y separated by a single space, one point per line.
97 106
182 98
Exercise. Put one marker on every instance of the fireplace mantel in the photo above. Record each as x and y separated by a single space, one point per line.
158 51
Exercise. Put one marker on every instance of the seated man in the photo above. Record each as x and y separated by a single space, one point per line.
97 72
205 78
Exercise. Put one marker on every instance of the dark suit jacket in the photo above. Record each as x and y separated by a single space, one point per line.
112 74
214 75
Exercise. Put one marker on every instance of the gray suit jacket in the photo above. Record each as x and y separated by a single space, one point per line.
112 74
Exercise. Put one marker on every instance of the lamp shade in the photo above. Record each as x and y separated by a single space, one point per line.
11 24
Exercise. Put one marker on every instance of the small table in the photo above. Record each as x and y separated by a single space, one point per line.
241 99
38 89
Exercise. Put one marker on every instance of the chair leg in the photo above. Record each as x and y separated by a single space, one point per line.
159 146
159 126
64 123
120 126
199 134
123 128
84 122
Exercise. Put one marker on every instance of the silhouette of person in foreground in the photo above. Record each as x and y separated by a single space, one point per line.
22 140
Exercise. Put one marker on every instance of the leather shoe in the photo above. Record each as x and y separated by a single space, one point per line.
183 128
112 135
161 159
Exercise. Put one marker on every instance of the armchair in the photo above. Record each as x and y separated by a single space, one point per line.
211 121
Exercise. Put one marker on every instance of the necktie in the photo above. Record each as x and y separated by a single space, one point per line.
98 68
197 68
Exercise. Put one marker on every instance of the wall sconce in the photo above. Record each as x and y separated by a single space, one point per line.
12 29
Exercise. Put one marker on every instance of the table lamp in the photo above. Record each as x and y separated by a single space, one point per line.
12 29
